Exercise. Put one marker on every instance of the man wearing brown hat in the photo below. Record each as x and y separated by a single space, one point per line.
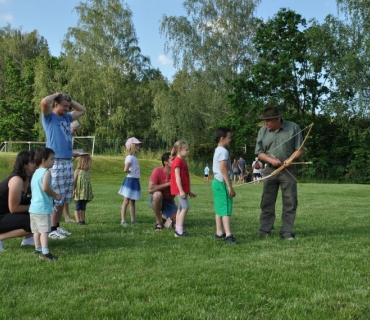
277 141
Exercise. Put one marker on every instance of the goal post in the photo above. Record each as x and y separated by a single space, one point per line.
8 145
84 144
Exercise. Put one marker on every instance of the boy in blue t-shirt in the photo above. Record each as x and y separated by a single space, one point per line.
41 206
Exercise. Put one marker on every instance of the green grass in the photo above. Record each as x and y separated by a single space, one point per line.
105 271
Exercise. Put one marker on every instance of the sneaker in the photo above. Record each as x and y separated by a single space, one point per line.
124 224
56 235
134 222
83 223
79 223
28 242
37 252
221 237
183 234
64 232
230 239
1 246
48 257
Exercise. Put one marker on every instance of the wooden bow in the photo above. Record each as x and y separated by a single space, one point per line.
288 161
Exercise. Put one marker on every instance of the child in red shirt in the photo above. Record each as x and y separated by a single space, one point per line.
180 185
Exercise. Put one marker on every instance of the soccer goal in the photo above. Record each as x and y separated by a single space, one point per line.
84 144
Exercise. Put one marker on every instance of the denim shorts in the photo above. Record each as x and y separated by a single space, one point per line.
168 207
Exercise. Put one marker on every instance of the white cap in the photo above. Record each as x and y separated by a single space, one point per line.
132 140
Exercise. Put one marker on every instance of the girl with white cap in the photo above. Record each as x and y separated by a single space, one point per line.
130 188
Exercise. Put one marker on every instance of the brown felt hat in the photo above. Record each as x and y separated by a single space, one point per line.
271 112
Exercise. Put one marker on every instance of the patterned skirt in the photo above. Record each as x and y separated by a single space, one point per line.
130 189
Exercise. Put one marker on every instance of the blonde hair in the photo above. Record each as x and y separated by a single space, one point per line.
84 162
131 149
179 145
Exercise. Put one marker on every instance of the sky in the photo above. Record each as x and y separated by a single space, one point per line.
52 18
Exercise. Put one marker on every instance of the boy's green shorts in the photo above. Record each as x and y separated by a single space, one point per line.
223 203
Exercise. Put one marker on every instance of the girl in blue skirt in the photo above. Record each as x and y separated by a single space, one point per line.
130 188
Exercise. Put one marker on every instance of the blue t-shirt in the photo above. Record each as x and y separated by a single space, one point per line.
41 203
242 164
58 134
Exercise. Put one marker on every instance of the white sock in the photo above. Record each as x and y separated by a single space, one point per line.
179 229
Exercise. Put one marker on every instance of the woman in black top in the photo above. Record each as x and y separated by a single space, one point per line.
15 198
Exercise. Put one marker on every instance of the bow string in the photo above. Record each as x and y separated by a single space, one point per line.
290 159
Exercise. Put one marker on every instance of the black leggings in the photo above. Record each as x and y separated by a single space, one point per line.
14 221
80 205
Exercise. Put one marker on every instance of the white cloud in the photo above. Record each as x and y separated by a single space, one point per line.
8 17
164 60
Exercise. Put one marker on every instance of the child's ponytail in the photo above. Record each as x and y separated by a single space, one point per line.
177 147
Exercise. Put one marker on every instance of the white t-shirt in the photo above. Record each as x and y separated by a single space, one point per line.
134 167
221 154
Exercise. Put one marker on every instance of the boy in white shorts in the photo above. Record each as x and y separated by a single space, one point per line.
41 206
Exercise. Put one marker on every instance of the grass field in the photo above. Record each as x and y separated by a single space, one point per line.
106 271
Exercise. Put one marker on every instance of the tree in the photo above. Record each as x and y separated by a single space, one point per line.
184 111
349 69
104 69
289 71
245 107
19 53
18 47
17 116
210 46
349 64
216 37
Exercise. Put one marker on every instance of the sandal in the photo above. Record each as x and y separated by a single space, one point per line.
158 227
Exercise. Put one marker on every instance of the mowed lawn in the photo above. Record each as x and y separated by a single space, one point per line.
106 271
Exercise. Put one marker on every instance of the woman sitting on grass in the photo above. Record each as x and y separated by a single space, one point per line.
15 198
